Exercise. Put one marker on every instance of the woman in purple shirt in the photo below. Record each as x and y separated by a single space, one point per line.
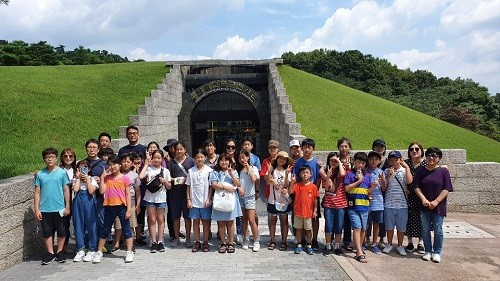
432 184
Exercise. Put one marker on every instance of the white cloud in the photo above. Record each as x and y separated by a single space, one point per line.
465 14
237 47
140 53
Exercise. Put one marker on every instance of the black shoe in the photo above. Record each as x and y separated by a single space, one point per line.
338 252
153 247
140 242
420 249
181 235
160 247
409 248
315 245
110 241
61 257
48 258
143 237
327 252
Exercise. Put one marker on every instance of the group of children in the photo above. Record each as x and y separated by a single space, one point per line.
222 188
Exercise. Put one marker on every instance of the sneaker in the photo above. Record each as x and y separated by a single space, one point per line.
298 249
256 246
388 249
48 258
420 249
381 244
89 256
315 245
427 256
239 239
61 257
338 252
115 250
348 247
401 250
79 256
160 247
129 256
174 243
188 243
140 242
153 248
410 247
97 257
181 235
327 252
376 249
436 258
246 244
309 250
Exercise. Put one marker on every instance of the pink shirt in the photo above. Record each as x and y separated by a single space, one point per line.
115 194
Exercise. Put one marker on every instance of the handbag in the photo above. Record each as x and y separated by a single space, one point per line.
281 207
154 184
224 201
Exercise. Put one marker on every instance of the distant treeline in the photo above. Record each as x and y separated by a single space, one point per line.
20 53
462 102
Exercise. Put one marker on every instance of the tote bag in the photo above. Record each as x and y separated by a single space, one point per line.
224 201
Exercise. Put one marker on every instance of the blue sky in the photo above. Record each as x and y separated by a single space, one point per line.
454 38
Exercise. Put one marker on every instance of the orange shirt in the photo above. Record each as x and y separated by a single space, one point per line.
115 194
305 199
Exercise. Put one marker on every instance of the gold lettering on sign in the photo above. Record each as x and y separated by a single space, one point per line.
221 85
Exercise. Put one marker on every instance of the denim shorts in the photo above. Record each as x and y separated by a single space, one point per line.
396 218
376 216
359 219
334 220
248 202
200 213
153 204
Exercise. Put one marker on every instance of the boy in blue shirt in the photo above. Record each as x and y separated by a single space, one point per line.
376 214
51 204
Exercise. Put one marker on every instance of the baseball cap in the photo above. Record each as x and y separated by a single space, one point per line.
294 143
378 141
273 143
395 153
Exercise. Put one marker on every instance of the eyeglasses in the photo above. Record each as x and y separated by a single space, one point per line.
433 155
416 149
68 156
230 147
92 147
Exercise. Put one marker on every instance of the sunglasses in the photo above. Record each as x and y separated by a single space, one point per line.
230 147
433 155
416 149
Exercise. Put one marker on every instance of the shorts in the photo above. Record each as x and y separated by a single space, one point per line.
334 220
132 219
200 213
271 209
248 202
179 208
396 218
302 223
359 219
376 216
153 204
52 222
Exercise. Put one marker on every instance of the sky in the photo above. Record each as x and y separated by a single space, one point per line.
453 38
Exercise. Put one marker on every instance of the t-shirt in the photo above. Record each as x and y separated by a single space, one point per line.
212 164
358 196
339 200
139 148
115 194
255 161
134 183
223 176
51 184
305 199
431 183
280 178
198 181
246 182
394 196
161 195
313 163
265 167
377 201
178 191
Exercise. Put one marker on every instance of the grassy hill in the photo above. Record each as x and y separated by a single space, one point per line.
328 111
63 106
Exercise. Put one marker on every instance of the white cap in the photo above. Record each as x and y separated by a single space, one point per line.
294 143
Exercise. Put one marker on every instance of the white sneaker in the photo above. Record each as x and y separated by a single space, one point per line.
97 257
246 244
436 258
256 246
239 239
387 249
89 256
129 256
427 256
401 250
79 256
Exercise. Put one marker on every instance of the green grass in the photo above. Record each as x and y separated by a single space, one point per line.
327 111
63 106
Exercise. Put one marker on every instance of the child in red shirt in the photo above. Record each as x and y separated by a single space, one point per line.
304 206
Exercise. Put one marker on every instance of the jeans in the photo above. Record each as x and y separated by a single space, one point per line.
110 213
432 220
334 220
84 221
99 215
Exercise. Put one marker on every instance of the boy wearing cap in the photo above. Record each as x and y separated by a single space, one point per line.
376 214
397 176
295 152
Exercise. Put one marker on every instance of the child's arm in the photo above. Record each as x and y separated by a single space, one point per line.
67 208
234 178
409 177
102 184
188 196
138 199
323 172
389 173
354 184
128 214
341 168
167 182
36 207
144 171
90 186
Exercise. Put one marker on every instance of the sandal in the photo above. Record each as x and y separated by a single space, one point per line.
271 245
230 248
205 247
283 246
196 247
222 249
361 258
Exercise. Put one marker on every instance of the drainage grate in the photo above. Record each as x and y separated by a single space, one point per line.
463 230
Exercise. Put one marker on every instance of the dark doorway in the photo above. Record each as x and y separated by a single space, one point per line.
224 115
